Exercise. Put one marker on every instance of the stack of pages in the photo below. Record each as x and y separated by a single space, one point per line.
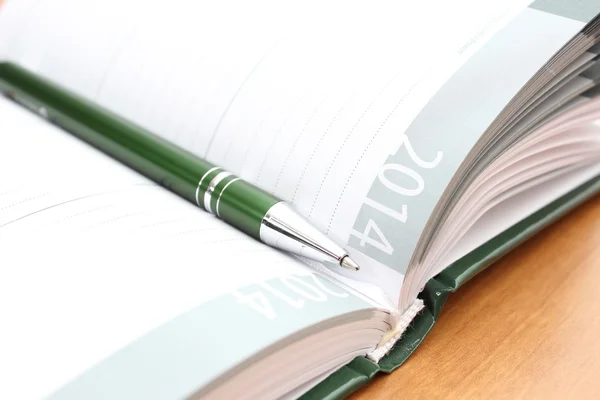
428 138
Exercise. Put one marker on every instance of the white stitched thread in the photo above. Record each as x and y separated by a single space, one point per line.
400 324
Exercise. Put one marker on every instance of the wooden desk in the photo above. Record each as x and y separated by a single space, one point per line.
528 327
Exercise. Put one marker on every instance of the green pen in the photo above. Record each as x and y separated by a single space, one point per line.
237 202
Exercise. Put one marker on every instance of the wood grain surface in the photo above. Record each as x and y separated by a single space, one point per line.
527 327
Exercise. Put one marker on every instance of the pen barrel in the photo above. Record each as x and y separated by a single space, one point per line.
234 200
165 163
198 181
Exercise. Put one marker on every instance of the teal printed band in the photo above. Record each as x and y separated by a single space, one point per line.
184 355
579 10
410 183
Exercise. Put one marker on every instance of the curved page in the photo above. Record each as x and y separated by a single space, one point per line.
108 281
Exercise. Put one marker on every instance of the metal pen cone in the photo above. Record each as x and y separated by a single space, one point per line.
284 228
348 263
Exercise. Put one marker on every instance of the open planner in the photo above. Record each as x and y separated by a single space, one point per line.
428 138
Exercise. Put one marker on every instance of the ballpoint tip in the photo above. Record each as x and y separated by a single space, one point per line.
349 264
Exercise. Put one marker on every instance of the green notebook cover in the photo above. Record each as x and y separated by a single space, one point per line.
360 371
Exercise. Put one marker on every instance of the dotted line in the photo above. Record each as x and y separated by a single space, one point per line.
284 166
344 144
24 201
266 157
235 96
182 123
195 230
85 212
116 55
312 155
243 239
108 221
369 145
161 222
51 207
254 134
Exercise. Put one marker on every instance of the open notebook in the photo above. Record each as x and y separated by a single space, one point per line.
427 138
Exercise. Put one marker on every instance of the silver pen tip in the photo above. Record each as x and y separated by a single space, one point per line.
348 263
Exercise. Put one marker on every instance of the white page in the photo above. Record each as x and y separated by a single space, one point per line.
93 256
516 208
304 99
